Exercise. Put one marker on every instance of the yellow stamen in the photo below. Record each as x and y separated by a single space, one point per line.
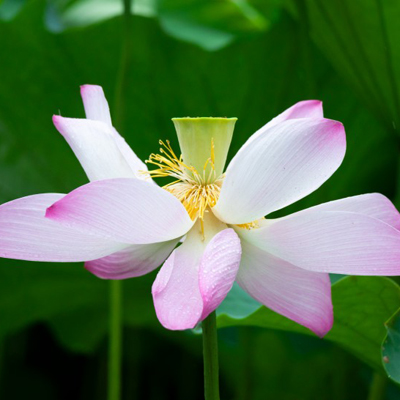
195 190
249 225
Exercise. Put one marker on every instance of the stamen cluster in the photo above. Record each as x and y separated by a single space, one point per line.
196 190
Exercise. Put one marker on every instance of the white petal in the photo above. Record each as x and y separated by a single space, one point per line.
338 242
375 205
288 162
135 163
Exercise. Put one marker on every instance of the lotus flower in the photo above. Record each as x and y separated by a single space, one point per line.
209 226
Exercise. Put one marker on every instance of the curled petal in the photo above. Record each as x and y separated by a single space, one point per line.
135 260
125 210
300 295
97 109
338 242
195 279
94 144
101 150
290 161
25 234
95 103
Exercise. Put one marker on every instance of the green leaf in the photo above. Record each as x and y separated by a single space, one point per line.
61 15
238 304
361 307
10 8
210 24
360 38
73 301
391 347
25 290
81 330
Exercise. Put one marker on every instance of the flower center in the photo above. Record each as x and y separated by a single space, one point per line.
197 190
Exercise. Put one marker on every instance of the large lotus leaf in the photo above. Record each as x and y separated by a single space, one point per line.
391 347
362 305
360 38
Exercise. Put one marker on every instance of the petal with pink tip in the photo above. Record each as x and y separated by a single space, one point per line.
375 205
95 146
195 279
97 109
135 260
290 161
123 210
302 109
300 295
25 234
95 103
338 242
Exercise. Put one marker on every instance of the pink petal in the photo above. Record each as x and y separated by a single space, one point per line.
176 294
95 146
125 210
300 295
218 268
135 260
290 161
331 241
195 279
25 234
373 204
95 103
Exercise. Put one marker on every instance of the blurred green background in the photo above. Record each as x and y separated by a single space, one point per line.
236 58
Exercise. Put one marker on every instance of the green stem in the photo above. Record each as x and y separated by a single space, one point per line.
115 348
377 390
210 357
116 323
2 364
